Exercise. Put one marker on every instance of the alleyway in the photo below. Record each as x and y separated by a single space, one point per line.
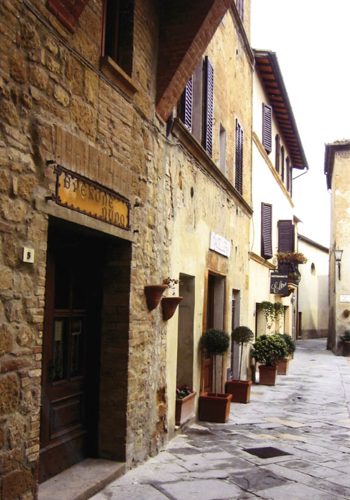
305 417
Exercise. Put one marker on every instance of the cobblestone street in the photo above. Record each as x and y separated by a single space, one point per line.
302 424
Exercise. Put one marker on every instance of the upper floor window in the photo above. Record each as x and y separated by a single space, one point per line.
286 236
222 149
197 104
239 158
267 127
266 230
282 163
277 152
117 33
288 173
240 8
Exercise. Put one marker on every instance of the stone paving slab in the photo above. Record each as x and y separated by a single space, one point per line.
307 414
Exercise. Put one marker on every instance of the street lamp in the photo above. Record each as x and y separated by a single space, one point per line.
338 255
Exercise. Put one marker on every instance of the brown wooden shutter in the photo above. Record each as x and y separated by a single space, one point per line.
187 104
282 163
208 106
266 230
277 153
239 158
285 236
267 128
240 8
288 173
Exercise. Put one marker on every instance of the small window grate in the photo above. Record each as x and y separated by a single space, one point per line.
266 452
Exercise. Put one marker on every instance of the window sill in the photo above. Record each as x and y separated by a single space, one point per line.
193 146
111 69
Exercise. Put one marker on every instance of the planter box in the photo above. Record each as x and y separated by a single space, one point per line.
346 348
267 375
239 389
283 367
185 409
214 408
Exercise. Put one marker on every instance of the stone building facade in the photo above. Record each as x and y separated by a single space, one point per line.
337 171
104 190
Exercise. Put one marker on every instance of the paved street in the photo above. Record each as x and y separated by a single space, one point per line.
304 419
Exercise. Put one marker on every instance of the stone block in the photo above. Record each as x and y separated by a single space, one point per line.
6 342
5 181
38 77
9 113
13 210
16 483
18 68
91 87
29 36
6 281
27 183
9 393
75 76
25 336
13 310
84 116
10 460
61 96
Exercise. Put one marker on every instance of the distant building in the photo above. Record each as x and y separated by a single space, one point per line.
313 290
337 171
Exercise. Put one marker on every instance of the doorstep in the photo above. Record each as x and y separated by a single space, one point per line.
81 481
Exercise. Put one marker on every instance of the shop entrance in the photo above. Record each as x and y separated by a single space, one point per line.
70 355
87 296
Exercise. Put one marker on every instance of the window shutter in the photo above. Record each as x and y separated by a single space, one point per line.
285 236
266 230
267 128
208 106
239 158
288 173
240 8
282 163
187 104
278 152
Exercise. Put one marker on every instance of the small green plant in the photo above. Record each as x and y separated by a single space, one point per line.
215 342
272 311
269 349
290 343
346 336
242 335
183 391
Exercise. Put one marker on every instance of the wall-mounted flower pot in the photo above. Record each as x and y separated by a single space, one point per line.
346 313
153 295
239 389
267 375
214 408
283 367
185 408
169 305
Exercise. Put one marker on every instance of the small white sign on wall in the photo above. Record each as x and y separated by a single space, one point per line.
345 298
220 245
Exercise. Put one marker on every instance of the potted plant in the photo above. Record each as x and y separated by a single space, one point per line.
346 343
185 399
268 350
214 406
240 389
283 365
169 304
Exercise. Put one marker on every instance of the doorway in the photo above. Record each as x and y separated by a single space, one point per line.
185 342
232 372
87 295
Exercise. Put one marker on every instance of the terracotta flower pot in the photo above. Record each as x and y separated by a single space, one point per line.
282 367
214 408
239 389
153 295
169 305
267 375
185 409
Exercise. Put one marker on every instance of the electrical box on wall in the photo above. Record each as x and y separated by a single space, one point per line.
28 255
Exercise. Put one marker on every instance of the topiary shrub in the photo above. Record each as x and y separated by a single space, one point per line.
290 342
215 342
269 349
242 335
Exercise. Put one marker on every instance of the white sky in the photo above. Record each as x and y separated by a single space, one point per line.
311 39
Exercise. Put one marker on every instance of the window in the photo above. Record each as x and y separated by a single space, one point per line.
117 35
240 8
197 104
266 230
239 158
313 269
277 152
222 149
267 127
282 163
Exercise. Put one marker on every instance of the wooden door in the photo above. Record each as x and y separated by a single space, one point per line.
70 358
